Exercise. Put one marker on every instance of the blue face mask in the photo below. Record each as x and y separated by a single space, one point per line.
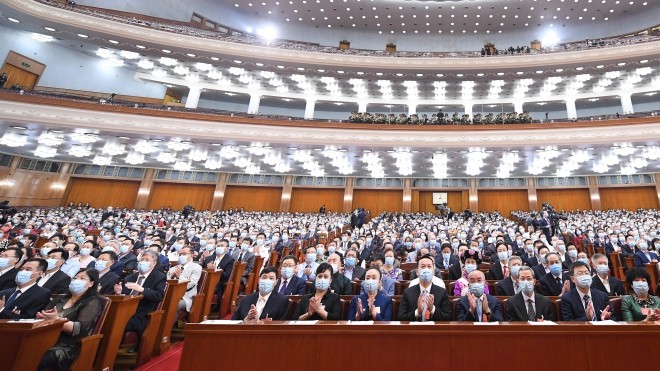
321 284
85 251
371 286
202 243
245 246
266 286
389 260
220 250
350 261
572 254
584 281
454 245
477 289
526 286
418 245
310 258
584 260
640 287
426 275
287 272
409 244
23 277
144 266
555 269
469 268
602 269
515 269
51 263
4 262
77 286
183 259
100 265
232 244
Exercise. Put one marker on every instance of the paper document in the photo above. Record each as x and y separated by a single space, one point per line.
360 323
221 322
609 322
304 322
542 323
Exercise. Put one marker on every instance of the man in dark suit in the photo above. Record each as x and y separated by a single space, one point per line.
602 280
149 283
541 269
527 305
555 283
244 255
54 280
289 283
425 302
643 255
509 285
352 271
340 284
126 256
447 260
27 298
8 260
476 306
265 303
528 256
581 303
107 279
496 271
221 260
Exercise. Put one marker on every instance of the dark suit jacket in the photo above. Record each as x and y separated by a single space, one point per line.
616 286
495 272
358 273
330 301
27 305
455 271
277 306
8 279
341 285
58 283
641 259
154 290
248 257
572 307
550 287
566 264
295 286
107 283
439 263
227 265
129 261
409 304
463 310
381 301
539 271
530 262
505 287
516 308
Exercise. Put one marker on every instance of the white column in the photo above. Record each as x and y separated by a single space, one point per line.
626 103
468 108
362 106
518 106
253 106
309 109
412 108
192 100
571 111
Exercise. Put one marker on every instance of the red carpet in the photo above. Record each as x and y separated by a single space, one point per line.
168 361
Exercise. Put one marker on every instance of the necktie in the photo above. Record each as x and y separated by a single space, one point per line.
11 299
426 313
305 276
558 281
515 288
240 257
446 264
505 270
531 314
139 282
283 287
479 310
586 305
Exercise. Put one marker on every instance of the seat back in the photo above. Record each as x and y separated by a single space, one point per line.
119 312
652 268
557 308
197 305
408 266
231 293
615 260
212 280
273 259
396 302
89 345
170 306
345 303
454 305
294 300
629 261
615 303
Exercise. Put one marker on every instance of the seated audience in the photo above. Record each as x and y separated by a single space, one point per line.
264 304
186 271
643 255
27 298
602 280
389 266
581 303
471 260
640 305
556 282
306 270
220 260
509 286
426 301
322 304
374 304
476 305
54 280
527 305
81 307
9 259
341 285
289 283
107 280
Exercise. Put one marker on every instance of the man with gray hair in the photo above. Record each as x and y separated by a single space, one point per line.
528 305
509 286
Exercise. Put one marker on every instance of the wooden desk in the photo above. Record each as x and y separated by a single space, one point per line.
22 344
383 346
121 309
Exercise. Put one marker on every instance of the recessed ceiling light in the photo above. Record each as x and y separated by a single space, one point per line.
644 61
166 51
82 35
191 55
579 68
217 59
13 20
600 66
519 73
49 29
621 64
113 41
19 127
140 46
539 72
123 137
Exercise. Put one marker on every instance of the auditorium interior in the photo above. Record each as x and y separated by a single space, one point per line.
184 183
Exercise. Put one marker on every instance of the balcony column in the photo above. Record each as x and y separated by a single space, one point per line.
310 104
518 106
412 109
571 111
626 104
253 106
192 100
362 106
468 108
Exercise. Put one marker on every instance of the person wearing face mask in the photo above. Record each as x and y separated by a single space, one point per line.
307 269
27 298
628 248
417 245
265 304
289 283
425 301
471 260
220 260
373 304
602 280
499 270
542 268
389 268
581 303
351 269
571 256
148 283
107 279
186 271
476 305
341 285
529 254
322 304
85 258
527 305
639 305
81 307
555 282
445 259
509 286
9 259
387 285
126 256
245 255
643 255
53 279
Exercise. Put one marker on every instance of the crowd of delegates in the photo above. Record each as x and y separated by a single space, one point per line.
440 118
136 251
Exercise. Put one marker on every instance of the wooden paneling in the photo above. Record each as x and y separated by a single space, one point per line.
252 198
32 188
378 200
565 199
422 201
311 199
178 195
503 201
27 80
103 192
631 198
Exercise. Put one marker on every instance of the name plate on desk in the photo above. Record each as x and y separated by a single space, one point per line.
360 322
609 322
422 323
221 322
25 320
542 323
487 323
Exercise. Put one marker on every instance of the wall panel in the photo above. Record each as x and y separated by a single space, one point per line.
422 201
30 189
253 198
565 199
378 200
503 201
178 195
103 192
631 198
311 199
27 80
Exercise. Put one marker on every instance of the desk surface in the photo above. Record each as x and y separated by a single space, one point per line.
23 343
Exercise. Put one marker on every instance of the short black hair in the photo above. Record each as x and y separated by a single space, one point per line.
65 254
270 270
43 264
380 257
111 254
380 274
571 269
426 256
324 267
18 252
637 272
295 261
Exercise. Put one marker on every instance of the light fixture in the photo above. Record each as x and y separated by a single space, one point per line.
50 138
44 151
13 140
